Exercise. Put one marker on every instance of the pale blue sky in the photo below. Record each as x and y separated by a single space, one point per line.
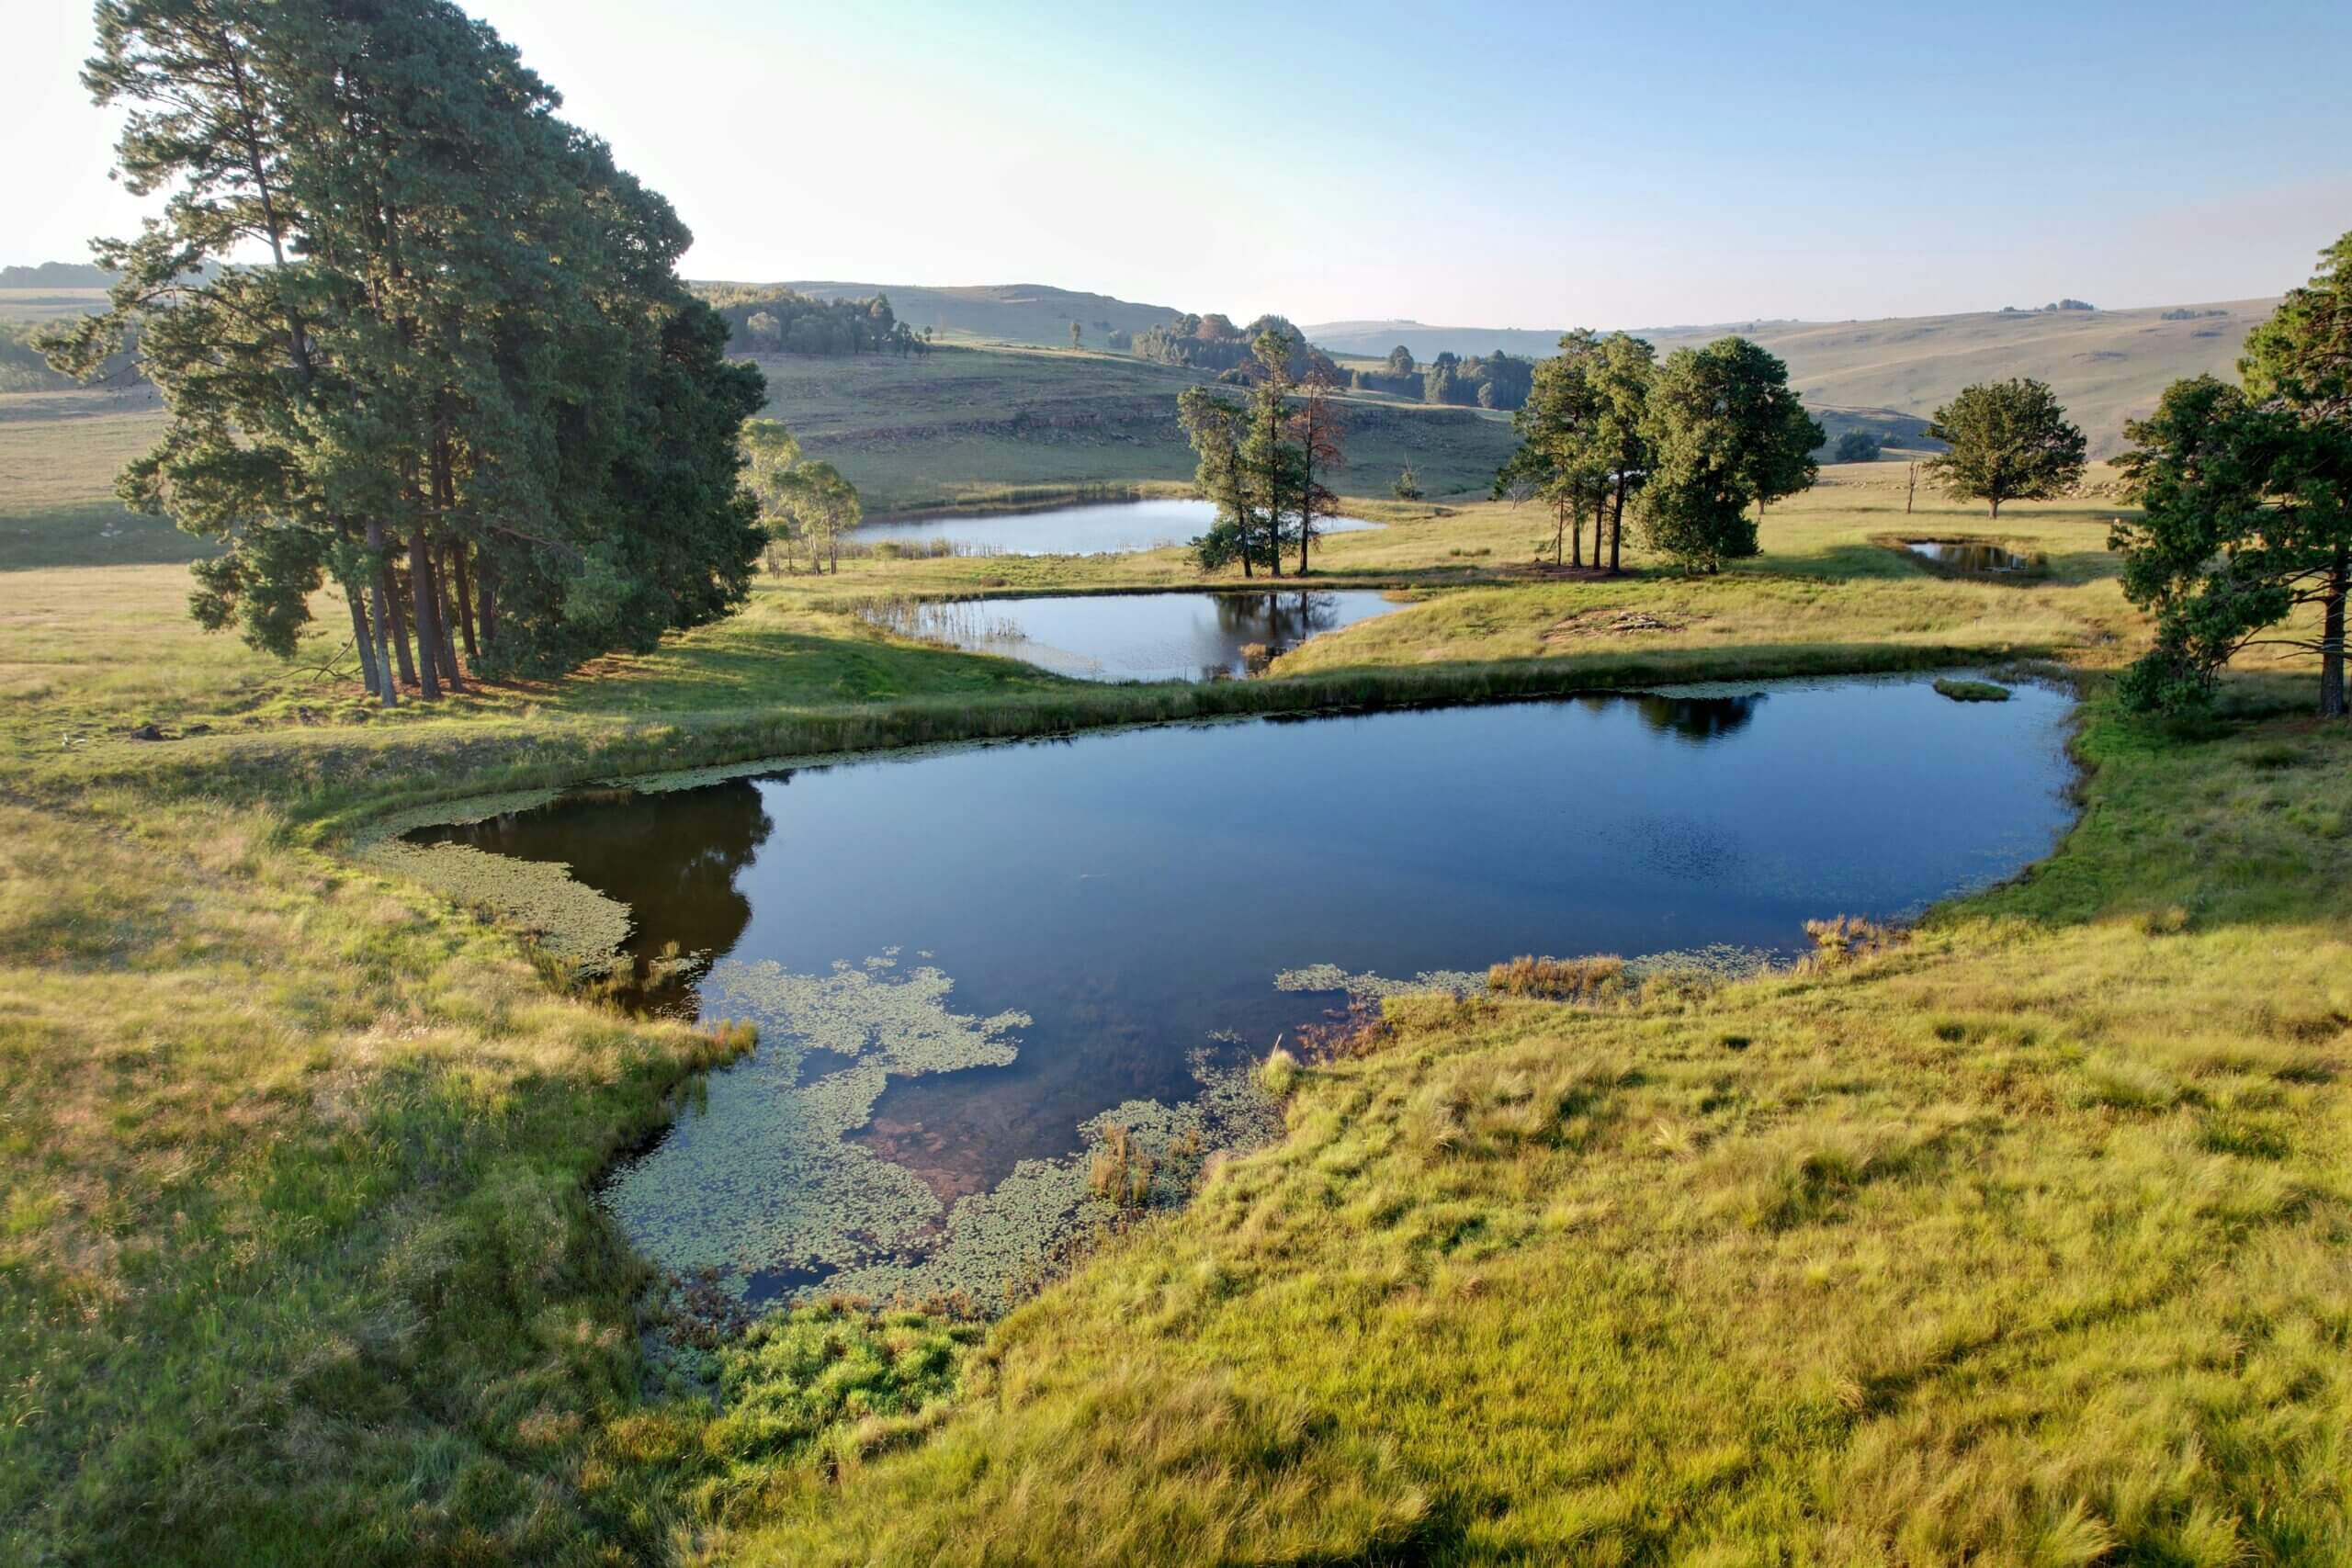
1496 165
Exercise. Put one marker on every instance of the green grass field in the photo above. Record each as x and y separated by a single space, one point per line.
2023 1241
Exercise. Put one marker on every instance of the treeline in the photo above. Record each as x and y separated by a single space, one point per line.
467 387
1498 381
1214 343
783 320
1263 463
1690 444
56 274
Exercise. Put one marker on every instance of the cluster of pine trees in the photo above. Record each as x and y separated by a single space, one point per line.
1214 343
784 321
467 384
1498 381
1692 443
1263 463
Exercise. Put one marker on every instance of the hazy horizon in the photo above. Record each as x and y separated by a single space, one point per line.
1711 172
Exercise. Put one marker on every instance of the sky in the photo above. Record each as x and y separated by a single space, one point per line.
1493 165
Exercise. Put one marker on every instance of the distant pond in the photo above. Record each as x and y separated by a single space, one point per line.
1969 554
1112 527
992 980
1138 637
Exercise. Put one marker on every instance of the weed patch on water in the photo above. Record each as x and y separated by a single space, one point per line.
758 1190
1971 691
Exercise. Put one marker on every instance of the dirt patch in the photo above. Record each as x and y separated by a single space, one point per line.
1586 625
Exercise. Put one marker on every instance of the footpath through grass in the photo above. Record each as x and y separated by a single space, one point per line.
2025 1241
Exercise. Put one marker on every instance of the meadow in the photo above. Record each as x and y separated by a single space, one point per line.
2020 1238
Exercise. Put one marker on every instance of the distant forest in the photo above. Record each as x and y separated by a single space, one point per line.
56 274
780 321
1498 381
1214 343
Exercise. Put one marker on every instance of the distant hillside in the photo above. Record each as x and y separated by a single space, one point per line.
1003 313
56 274
2106 366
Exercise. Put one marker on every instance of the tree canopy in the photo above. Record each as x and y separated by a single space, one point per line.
467 384
1725 431
2008 441
2246 492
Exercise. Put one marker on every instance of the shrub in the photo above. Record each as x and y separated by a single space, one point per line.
1584 980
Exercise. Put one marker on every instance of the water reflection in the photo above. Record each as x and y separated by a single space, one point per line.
1130 896
1968 555
1117 527
681 867
1136 637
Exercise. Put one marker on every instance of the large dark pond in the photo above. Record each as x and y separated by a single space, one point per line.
1113 528
1136 637
967 964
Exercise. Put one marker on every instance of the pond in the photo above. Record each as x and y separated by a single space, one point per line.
1112 527
1968 555
969 966
1136 637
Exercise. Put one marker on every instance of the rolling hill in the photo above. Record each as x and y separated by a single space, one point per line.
2106 366
1029 313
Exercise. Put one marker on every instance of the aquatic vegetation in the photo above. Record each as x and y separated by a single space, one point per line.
758 1189
1374 989
574 924
759 1179
1971 690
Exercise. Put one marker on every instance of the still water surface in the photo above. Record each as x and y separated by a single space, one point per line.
1136 637
1969 554
1129 899
1114 528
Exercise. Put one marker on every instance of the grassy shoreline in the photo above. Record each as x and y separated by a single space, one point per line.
2024 1241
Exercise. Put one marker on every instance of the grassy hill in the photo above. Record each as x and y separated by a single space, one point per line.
1001 312
972 425
2106 366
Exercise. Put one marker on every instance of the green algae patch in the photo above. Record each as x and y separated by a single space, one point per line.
758 1186
559 914
1973 690
758 1179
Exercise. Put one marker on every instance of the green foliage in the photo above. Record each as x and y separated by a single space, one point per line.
1971 691
2008 441
1856 446
469 384
2247 504
1407 487
1726 432
782 320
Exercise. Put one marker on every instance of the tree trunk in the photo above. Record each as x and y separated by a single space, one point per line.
2331 636
381 591
420 585
446 643
1617 527
457 551
399 609
486 599
1997 508
362 638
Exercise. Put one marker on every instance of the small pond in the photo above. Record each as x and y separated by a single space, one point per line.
1136 637
1110 527
1968 555
969 965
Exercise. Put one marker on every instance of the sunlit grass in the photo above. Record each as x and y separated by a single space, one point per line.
2022 1240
